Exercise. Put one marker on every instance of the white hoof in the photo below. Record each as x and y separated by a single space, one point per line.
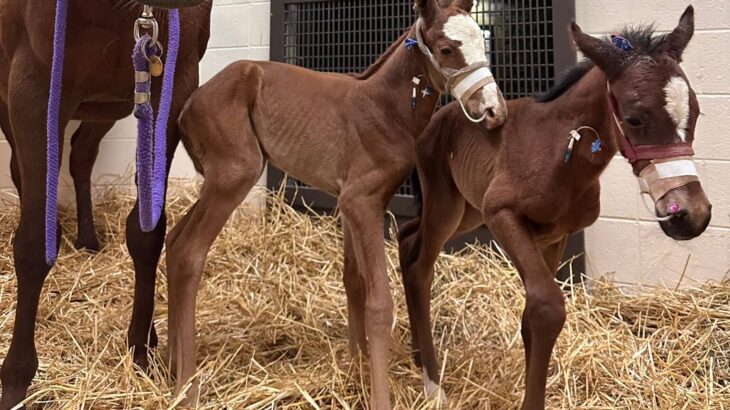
433 390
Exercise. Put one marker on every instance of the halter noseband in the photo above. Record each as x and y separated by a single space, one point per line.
659 168
462 83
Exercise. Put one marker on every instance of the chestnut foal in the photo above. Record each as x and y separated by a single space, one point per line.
98 87
350 135
535 180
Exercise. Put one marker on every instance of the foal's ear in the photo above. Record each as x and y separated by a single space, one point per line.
466 5
676 41
606 56
427 8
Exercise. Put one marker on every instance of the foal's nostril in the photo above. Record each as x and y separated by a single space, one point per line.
682 214
490 113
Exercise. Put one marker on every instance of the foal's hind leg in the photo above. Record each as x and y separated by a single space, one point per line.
84 149
440 220
223 190
355 288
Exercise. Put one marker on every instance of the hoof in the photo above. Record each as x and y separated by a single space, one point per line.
358 348
11 397
187 396
434 392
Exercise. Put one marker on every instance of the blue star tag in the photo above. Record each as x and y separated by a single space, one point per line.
597 146
411 42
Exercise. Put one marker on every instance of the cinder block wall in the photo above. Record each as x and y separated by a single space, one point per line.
240 30
624 242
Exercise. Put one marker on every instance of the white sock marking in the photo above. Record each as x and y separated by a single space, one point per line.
432 389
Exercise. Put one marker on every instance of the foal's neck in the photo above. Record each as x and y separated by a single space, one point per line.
391 79
587 104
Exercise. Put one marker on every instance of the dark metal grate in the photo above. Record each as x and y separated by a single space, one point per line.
347 35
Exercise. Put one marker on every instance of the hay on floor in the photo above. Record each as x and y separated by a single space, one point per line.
273 333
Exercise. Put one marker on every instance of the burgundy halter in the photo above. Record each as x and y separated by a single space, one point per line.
637 153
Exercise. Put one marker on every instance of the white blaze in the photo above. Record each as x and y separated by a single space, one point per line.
464 29
676 94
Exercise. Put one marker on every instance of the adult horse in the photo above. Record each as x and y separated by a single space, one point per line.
98 89
535 180
350 135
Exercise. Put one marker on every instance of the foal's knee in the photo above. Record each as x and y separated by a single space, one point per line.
379 314
546 311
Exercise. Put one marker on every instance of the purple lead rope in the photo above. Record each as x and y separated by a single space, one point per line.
52 137
152 142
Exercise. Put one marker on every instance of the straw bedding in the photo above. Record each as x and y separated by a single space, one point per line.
273 331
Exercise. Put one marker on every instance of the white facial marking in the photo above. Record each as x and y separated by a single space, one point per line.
464 29
676 94
433 390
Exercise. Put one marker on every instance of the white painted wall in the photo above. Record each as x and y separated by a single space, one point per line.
239 30
624 242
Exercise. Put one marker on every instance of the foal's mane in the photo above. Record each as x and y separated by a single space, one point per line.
373 68
641 37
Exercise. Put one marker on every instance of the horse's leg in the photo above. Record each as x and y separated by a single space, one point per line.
31 269
364 207
233 165
355 288
7 129
84 149
145 247
439 221
552 254
545 306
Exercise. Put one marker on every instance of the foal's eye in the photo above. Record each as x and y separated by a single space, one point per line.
445 51
634 122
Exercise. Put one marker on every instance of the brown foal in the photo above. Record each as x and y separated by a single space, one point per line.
98 89
350 135
535 180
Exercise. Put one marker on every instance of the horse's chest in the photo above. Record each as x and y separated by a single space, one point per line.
565 212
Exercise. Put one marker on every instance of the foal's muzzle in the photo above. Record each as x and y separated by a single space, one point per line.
690 209
681 205
171 4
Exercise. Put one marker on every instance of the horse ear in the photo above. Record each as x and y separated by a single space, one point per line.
466 5
676 41
606 56
427 8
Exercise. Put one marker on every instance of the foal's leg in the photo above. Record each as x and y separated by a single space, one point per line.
145 247
355 288
440 220
31 269
545 307
232 165
363 207
84 149
223 190
552 254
